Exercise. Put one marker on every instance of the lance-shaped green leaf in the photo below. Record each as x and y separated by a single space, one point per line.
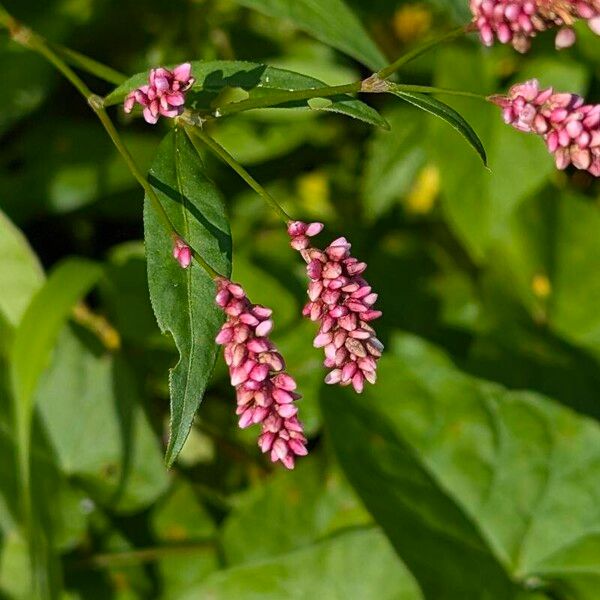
446 113
330 21
184 299
258 81
481 490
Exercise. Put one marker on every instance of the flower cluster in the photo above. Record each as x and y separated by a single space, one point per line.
164 94
342 302
265 393
517 21
570 128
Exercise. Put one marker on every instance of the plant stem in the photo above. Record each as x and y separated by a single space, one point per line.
31 40
425 89
285 97
421 49
219 151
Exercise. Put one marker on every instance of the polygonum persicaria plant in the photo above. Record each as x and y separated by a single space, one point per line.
265 392
340 298
516 22
569 126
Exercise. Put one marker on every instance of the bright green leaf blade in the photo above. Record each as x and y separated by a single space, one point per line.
464 475
20 272
290 511
102 392
259 81
184 299
446 113
330 21
357 565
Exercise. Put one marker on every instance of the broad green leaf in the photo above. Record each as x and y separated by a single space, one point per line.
351 566
448 114
184 299
125 470
20 272
330 21
469 478
290 511
258 81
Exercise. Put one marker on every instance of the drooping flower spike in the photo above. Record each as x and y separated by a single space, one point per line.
164 94
265 392
516 22
341 301
570 128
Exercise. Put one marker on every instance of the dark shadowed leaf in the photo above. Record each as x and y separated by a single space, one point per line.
183 300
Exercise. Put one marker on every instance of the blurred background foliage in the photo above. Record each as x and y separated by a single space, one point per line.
481 275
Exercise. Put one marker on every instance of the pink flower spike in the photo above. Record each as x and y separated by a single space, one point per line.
569 127
265 393
341 301
516 22
163 95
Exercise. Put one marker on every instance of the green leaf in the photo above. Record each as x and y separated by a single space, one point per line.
467 477
448 114
184 299
330 21
258 81
290 511
99 387
39 327
352 566
20 272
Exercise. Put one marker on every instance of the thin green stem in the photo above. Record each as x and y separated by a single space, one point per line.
425 89
31 40
220 152
285 97
421 49
87 64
